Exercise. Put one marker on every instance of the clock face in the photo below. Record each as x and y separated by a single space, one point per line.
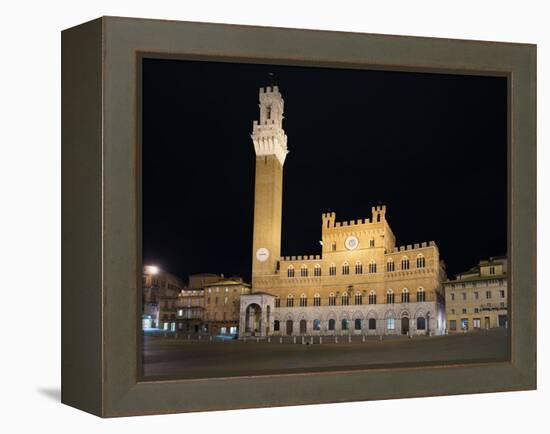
351 242
262 254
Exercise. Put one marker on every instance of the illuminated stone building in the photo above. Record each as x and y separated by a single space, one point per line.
361 283
222 302
159 298
478 298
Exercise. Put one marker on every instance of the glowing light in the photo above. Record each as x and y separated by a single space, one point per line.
151 269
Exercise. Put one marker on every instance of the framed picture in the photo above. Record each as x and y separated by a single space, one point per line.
260 217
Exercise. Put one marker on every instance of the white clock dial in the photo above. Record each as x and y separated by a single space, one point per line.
351 242
262 254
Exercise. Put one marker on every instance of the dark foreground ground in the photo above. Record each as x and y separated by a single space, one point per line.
170 357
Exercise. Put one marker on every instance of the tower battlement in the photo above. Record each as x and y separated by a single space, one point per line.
267 133
329 219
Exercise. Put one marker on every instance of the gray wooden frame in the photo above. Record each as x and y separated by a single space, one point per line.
101 268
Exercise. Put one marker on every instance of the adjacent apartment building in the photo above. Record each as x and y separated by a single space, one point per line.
478 298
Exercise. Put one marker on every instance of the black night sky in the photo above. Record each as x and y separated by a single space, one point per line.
432 147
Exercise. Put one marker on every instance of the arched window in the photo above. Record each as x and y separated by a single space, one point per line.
303 271
405 263
277 302
420 261
357 324
358 298
390 323
332 270
372 324
316 300
345 299
290 300
372 297
303 300
316 324
390 266
333 247
420 294
358 268
317 270
405 296
371 242
290 271
372 267
331 324
421 323
345 324
390 297
276 325
345 268
332 299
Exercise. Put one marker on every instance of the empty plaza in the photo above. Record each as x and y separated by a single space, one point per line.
182 356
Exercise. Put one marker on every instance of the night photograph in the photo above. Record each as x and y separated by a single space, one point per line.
301 219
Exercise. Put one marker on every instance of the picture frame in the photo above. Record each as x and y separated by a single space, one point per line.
101 237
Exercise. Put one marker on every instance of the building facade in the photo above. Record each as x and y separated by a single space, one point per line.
361 283
160 299
478 298
222 303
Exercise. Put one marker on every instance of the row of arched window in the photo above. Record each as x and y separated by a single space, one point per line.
358 298
390 266
344 324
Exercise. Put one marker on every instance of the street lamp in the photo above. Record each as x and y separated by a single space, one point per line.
151 269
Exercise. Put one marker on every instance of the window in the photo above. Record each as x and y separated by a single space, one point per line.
476 295
276 325
317 270
357 324
501 304
405 296
345 299
372 297
476 309
333 247
452 296
421 323
501 293
464 311
464 323
372 267
477 323
371 242
491 270
452 311
390 324
332 299
452 324
463 296
420 261
303 271
358 268
180 312
331 324
390 297
372 324
290 301
405 263
345 324
316 324
277 302
290 271
390 266
345 268
358 298
316 300
488 294
303 300
332 270
420 295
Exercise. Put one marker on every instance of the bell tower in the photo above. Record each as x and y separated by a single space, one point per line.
270 145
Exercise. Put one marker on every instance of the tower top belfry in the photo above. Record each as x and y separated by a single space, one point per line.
267 134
